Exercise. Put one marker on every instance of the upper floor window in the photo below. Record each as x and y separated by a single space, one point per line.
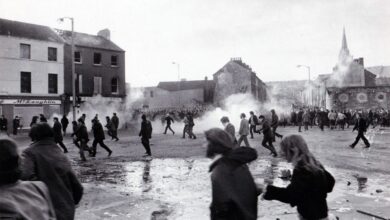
97 58
53 83
114 60
25 82
77 57
114 85
52 54
25 51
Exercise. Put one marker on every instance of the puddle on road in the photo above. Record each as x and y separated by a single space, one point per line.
182 186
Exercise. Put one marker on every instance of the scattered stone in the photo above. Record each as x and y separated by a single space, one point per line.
348 183
379 191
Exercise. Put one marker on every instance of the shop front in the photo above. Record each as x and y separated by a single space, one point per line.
27 107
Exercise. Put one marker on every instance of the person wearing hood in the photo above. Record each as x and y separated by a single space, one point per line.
44 161
234 192
310 182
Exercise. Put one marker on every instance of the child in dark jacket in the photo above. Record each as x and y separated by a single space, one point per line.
310 182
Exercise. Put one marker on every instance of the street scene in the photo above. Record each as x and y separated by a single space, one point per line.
220 110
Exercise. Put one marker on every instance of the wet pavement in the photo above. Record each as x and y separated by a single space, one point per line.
176 183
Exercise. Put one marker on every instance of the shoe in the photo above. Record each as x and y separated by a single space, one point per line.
164 133
66 151
351 146
367 146
83 159
117 139
173 133
274 154
281 136
109 153
145 155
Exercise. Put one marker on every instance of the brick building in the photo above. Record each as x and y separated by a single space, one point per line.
99 66
238 77
31 71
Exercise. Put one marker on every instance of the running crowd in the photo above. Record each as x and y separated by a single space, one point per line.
40 184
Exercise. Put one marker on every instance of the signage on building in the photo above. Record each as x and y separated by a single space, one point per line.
30 102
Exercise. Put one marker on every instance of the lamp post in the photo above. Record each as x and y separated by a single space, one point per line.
73 67
309 101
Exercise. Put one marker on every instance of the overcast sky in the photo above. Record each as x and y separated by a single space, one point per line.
202 35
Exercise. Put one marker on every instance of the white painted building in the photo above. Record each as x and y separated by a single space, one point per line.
31 71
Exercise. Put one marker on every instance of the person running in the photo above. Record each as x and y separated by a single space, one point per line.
310 182
268 137
146 133
82 138
21 199
275 124
252 123
58 134
115 126
244 131
230 129
361 126
332 116
98 134
234 192
64 123
186 127
169 120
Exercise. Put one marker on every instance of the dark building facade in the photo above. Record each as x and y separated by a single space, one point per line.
99 67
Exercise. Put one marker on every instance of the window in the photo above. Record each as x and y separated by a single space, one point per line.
52 54
25 82
25 51
80 77
151 94
53 83
114 85
77 57
97 58
97 85
114 60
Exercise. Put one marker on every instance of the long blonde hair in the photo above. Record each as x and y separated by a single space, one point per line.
295 150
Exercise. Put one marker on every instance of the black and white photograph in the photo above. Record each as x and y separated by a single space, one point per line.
195 109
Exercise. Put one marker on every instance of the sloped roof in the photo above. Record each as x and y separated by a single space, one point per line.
185 85
88 40
29 31
382 81
380 71
230 68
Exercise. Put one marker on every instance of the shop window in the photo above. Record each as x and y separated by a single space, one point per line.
77 57
114 60
25 51
52 54
25 82
97 58
53 83
114 85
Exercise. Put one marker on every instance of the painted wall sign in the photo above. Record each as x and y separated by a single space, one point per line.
30 102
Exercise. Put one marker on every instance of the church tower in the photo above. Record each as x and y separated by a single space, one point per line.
344 56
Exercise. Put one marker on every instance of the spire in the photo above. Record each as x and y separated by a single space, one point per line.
344 45
344 51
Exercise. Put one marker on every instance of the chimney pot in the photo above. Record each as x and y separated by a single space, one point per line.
105 33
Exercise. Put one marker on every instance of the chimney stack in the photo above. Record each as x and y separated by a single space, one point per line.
105 33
